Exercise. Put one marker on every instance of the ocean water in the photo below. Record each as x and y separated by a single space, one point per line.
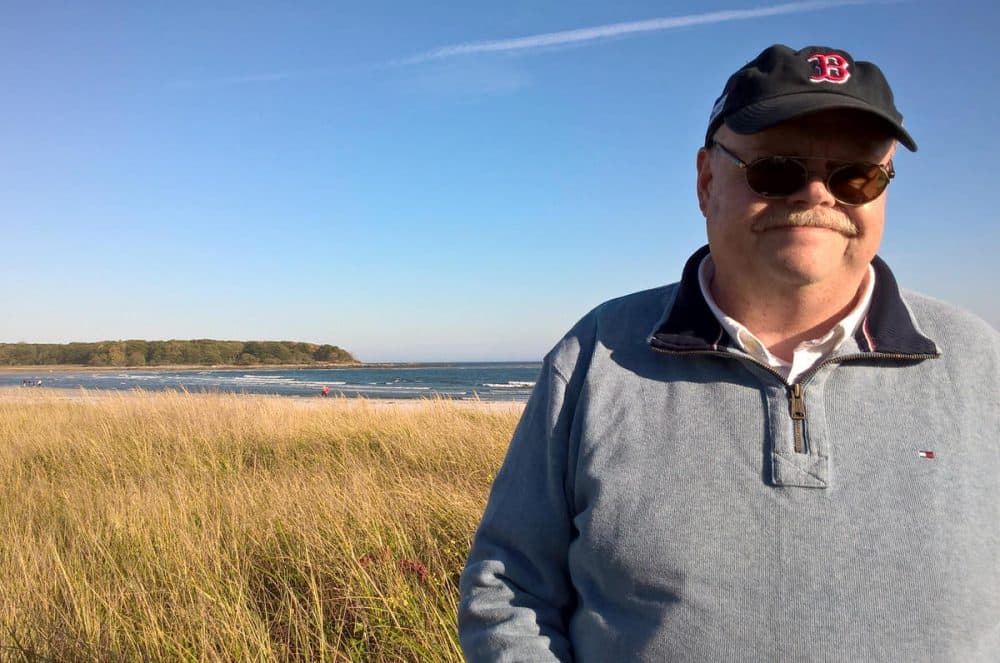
485 381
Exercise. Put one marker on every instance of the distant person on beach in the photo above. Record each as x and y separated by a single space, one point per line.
781 457
326 391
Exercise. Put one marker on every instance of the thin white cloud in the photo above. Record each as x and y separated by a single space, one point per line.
565 37
619 29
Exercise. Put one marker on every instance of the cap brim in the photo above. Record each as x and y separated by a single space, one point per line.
766 114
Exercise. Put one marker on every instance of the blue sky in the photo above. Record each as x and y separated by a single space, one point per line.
428 181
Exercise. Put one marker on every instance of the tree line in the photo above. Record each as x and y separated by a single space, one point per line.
200 352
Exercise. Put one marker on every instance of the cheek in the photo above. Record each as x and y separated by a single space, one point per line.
737 213
870 220
730 200
870 223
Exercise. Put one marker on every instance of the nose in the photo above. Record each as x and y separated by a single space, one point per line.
814 194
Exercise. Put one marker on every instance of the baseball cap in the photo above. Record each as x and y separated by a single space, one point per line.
781 84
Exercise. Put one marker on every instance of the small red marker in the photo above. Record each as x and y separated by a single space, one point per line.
926 454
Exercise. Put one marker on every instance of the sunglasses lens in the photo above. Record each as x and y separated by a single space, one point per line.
857 184
776 177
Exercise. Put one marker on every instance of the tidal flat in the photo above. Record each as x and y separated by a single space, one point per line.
172 526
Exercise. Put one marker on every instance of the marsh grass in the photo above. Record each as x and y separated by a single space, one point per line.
209 527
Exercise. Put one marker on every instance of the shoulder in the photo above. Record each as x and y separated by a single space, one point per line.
969 346
645 307
615 323
950 326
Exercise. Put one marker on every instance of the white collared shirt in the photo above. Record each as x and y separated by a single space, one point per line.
807 353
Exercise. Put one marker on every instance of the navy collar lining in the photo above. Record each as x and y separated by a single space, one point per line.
690 325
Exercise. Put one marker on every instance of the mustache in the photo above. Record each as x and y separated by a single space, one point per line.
810 218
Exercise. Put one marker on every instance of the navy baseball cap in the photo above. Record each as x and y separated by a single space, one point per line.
781 84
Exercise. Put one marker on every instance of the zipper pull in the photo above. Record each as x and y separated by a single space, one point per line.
797 404
797 408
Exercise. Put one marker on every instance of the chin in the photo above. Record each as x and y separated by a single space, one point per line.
805 250
802 270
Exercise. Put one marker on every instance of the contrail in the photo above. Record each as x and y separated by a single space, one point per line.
619 29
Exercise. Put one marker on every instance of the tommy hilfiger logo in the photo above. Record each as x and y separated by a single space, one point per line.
829 67
926 454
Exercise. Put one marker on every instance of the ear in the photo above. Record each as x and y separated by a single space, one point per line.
704 164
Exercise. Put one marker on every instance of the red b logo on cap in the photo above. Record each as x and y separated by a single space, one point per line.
830 67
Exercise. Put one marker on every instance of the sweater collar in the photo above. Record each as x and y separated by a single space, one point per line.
689 325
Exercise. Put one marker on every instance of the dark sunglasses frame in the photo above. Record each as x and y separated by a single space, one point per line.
870 172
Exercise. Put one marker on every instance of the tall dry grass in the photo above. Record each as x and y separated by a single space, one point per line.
179 527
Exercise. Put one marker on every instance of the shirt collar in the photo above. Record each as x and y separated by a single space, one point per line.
748 341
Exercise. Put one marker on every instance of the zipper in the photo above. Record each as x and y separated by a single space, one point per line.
796 391
797 408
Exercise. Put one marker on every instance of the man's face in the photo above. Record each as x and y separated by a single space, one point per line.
807 237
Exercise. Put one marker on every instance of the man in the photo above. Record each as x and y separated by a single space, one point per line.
782 457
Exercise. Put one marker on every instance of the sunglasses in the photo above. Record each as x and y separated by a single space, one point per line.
851 184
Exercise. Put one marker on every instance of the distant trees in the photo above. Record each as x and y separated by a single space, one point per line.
199 352
327 353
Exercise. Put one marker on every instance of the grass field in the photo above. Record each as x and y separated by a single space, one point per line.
179 527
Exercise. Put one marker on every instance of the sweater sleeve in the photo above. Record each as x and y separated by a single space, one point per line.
516 595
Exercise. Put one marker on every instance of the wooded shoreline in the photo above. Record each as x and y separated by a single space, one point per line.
136 353
83 368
